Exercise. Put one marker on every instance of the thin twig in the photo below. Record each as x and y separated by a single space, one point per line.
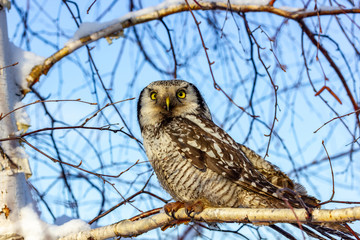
332 177
45 101
275 87
108 104
339 117
203 44
129 199
171 46
11 65
77 167
333 65
87 12
216 85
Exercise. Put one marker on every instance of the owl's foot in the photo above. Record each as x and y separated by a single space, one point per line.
194 207
172 207
190 207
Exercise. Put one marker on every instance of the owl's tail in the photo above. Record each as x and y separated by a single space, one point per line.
329 231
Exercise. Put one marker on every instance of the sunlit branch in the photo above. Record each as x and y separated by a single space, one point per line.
164 10
128 228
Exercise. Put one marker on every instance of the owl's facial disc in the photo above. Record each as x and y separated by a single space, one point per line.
168 100
163 100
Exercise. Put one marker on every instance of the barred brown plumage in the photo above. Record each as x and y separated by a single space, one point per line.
195 160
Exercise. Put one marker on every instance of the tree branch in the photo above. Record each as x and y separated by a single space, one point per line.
333 65
128 228
163 10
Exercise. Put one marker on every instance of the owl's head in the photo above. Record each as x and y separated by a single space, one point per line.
163 100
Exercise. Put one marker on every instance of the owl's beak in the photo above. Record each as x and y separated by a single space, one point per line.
167 101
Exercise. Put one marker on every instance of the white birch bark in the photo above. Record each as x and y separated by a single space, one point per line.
127 228
14 168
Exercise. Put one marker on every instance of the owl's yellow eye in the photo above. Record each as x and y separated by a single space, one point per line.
181 94
153 95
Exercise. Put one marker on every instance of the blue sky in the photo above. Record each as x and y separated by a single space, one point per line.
125 72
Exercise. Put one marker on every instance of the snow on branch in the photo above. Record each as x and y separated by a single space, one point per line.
128 228
115 28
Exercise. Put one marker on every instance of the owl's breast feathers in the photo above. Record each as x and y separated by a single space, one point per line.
209 148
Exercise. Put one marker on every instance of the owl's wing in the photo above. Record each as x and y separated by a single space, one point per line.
271 172
208 146
274 175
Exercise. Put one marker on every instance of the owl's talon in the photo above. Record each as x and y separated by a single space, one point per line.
194 207
188 212
172 207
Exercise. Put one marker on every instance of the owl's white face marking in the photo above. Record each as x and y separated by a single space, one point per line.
162 100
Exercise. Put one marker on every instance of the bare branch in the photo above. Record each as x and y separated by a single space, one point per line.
333 65
161 11
127 228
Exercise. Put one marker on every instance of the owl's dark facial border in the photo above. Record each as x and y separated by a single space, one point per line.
201 102
139 105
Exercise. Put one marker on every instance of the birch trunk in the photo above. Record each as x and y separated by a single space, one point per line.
14 168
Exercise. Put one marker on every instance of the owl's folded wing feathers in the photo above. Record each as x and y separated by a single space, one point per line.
208 146
274 175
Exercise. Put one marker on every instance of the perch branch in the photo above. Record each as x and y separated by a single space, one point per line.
128 228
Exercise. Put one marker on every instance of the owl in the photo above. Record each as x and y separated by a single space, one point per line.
199 164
